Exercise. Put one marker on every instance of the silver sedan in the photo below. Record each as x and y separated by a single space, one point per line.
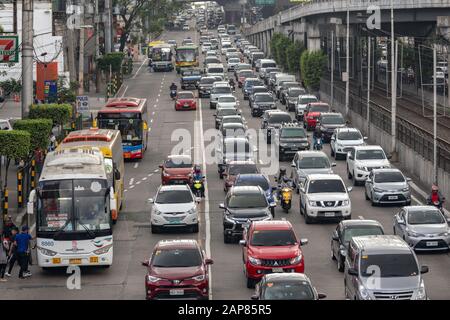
387 186
424 228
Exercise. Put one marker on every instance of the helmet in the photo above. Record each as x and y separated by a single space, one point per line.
173 83
434 188
197 169
282 171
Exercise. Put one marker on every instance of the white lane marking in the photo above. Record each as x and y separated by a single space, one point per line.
145 178
156 170
157 100
136 165
153 112
123 94
159 94
260 161
154 106
149 129
151 120
131 181
139 182
126 190
150 174
132 187
416 200
418 190
143 62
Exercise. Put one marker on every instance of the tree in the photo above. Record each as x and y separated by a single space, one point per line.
58 113
312 65
283 44
293 54
39 130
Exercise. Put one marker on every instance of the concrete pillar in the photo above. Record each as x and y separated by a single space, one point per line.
313 37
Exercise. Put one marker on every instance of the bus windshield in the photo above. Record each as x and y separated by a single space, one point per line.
131 129
161 54
79 205
187 55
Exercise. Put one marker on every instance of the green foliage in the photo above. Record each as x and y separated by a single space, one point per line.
39 130
293 54
67 94
58 113
11 86
113 59
283 44
312 65
274 44
15 144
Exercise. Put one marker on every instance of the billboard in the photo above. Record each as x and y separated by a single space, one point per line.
9 51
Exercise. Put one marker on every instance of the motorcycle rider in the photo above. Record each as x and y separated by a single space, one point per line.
435 198
173 87
283 181
198 176
316 136
232 84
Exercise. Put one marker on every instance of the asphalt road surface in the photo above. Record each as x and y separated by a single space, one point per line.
133 241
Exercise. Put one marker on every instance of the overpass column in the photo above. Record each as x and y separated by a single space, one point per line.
313 37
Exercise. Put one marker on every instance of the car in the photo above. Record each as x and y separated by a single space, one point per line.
424 228
232 130
264 64
291 138
233 149
225 46
215 69
218 91
173 43
212 53
185 101
242 75
203 39
206 46
302 103
265 72
227 101
177 169
285 86
363 159
235 168
280 80
273 120
309 162
398 275
271 247
186 27
241 66
233 55
343 139
324 197
248 84
236 118
255 56
174 206
232 63
286 286
211 60
190 78
205 85
290 97
177 269
258 179
328 122
253 90
387 186
345 231
313 111
242 205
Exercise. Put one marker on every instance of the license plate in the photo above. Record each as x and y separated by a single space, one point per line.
329 214
186 106
56 260
432 243
277 270
74 261
93 259
393 197
176 292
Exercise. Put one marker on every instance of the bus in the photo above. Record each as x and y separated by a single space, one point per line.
129 115
110 144
152 44
74 202
161 57
186 56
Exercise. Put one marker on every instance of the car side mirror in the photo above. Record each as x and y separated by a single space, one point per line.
304 241
161 166
333 164
255 297
209 261
321 296
349 156
243 243
349 189
302 190
353 272
145 263
335 236
365 138
222 206
424 269
151 200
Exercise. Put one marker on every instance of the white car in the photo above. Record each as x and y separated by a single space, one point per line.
323 197
343 139
225 47
232 63
227 101
174 206
206 46
5 124
302 103
211 53
363 159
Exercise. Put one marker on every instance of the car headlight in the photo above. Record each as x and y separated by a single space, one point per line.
153 279
364 293
444 234
378 190
414 234
254 261
312 203
421 293
229 219
362 168
283 145
103 250
165 174
405 189
345 202
157 212
297 259
200 277
192 211
47 252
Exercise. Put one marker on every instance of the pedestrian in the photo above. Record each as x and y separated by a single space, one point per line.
22 244
12 254
9 225
3 259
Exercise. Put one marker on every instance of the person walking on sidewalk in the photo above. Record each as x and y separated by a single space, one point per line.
3 259
22 244
12 254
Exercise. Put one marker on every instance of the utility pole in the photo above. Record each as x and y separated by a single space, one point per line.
369 44
15 16
393 89
108 36
81 57
97 46
347 63
332 68
435 169
27 56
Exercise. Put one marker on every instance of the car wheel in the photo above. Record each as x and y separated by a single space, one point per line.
332 253
355 182
349 175
226 239
408 203
308 219
340 263
194 228
373 203
251 283
155 229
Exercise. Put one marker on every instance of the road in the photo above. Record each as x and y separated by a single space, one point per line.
133 241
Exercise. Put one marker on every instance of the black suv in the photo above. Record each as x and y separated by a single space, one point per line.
243 205
205 85
291 137
328 121
273 120
260 102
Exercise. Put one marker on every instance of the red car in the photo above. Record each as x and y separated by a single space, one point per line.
234 168
185 101
177 169
313 112
177 269
244 74
270 247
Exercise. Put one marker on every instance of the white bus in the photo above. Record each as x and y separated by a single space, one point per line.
74 203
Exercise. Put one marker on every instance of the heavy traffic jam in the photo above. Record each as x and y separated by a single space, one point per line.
81 189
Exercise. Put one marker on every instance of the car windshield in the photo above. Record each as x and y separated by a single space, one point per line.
212 60
174 196
295 92
246 74
248 200
221 90
207 80
234 60
232 147
326 185
254 181
357 231
215 70
264 98
313 163
288 290
176 258
280 118
272 238
350 135
385 177
389 265
227 112
188 73
252 83
293 133
235 169
307 100
319 108
231 119
187 95
334 119
425 217
370 155
227 99
178 163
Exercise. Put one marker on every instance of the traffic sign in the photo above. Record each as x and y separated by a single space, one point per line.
9 51
83 104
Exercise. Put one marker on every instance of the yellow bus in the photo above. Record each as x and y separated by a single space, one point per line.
152 44
110 144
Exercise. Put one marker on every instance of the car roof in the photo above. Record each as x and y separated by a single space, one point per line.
360 222
272 225
330 114
369 147
237 139
186 92
174 187
174 244
242 162
233 125
347 129
381 244
294 276
246 190
386 170
180 157
322 176
252 176
277 112
307 96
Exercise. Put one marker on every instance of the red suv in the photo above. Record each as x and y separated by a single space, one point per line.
177 169
234 168
312 113
177 269
269 247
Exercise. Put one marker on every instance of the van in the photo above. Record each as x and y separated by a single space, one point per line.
279 79
254 56
265 63
215 69
383 267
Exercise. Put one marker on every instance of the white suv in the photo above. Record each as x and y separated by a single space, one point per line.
324 196
174 206
343 139
361 160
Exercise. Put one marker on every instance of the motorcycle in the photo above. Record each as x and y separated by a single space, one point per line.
437 204
197 186
286 198
318 144
173 94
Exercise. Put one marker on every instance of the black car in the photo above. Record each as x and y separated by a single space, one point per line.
328 121
291 137
273 120
243 205
284 89
256 89
344 232
286 286
261 102
205 85
290 96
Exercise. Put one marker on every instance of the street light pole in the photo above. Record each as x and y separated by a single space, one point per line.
369 44
81 57
435 170
332 68
393 87
27 56
347 63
